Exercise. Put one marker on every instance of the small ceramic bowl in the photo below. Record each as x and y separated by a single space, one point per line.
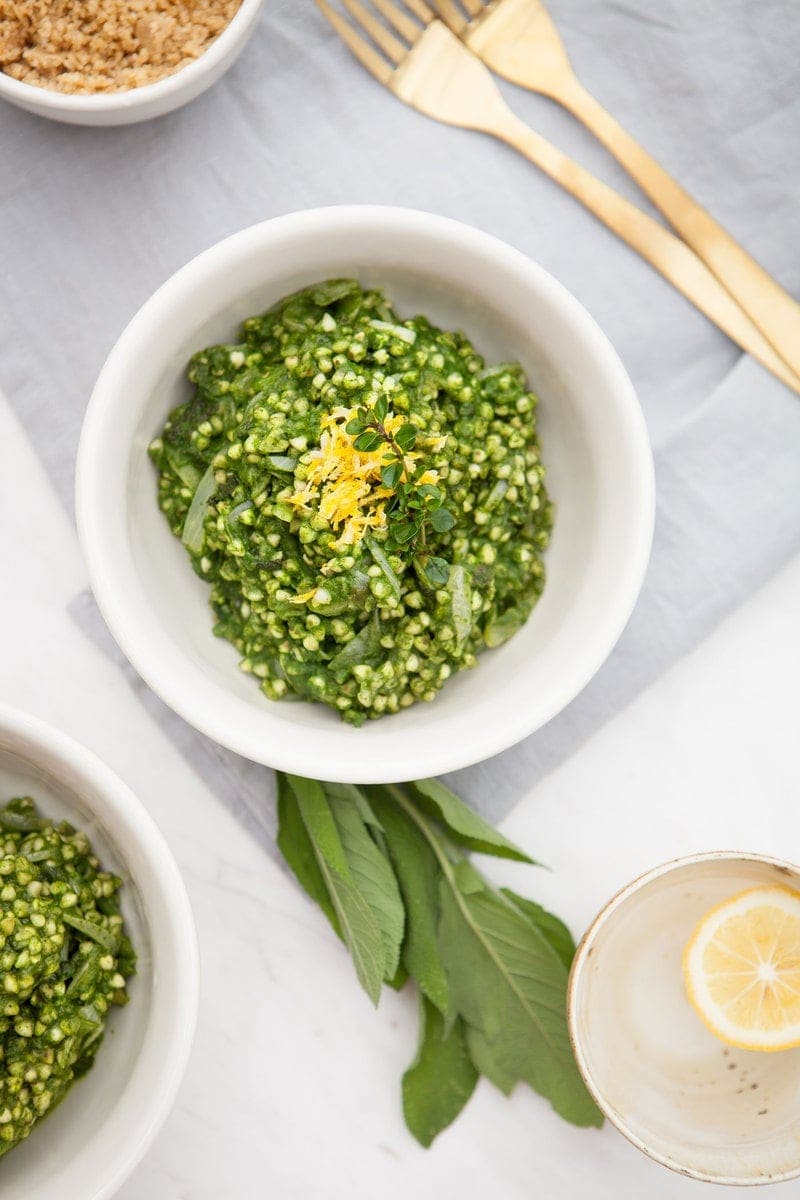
89 1145
594 446
142 103
681 1096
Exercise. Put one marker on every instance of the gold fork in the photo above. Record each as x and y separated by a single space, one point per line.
427 67
518 40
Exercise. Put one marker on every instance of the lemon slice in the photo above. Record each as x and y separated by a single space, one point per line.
742 969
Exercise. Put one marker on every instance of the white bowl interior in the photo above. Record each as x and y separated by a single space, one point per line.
594 449
666 1081
84 1149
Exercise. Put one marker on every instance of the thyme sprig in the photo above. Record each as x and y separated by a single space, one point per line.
414 506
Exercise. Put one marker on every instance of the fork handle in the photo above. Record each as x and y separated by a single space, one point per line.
676 261
772 309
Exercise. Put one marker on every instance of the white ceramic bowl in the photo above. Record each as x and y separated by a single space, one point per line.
94 1139
594 446
142 103
668 1084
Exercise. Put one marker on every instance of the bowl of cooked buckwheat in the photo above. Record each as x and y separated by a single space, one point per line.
113 62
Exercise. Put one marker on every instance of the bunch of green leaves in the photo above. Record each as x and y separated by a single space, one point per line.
414 506
389 867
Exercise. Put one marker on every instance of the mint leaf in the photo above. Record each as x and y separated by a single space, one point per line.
385 566
297 848
491 966
368 441
325 294
374 879
320 825
510 985
501 628
548 925
442 520
360 932
193 534
390 475
406 436
404 531
437 571
349 791
359 929
468 878
399 979
482 1054
463 823
418 874
441 1079
460 589
365 647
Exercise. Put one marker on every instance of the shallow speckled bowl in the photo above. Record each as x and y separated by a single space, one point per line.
594 446
89 1145
142 103
711 1112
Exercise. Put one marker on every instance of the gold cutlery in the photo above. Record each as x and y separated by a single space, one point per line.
424 64
518 40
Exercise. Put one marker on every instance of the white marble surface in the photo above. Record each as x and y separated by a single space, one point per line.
293 1086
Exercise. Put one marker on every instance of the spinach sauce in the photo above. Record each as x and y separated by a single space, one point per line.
291 528
64 960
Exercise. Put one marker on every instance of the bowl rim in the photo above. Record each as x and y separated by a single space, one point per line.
450 754
48 745
579 966
24 94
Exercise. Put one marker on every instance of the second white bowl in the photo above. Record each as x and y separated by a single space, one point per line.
88 1146
594 446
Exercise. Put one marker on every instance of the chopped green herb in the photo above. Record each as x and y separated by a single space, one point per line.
339 473
64 961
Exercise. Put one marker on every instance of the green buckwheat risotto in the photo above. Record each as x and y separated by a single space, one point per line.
363 495
64 960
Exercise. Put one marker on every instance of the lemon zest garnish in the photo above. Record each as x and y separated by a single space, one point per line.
345 483
301 498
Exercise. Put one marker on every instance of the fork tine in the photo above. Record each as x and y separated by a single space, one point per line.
420 9
452 16
369 58
475 7
380 35
407 28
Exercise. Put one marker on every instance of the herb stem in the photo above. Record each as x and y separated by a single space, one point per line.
412 811
379 428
